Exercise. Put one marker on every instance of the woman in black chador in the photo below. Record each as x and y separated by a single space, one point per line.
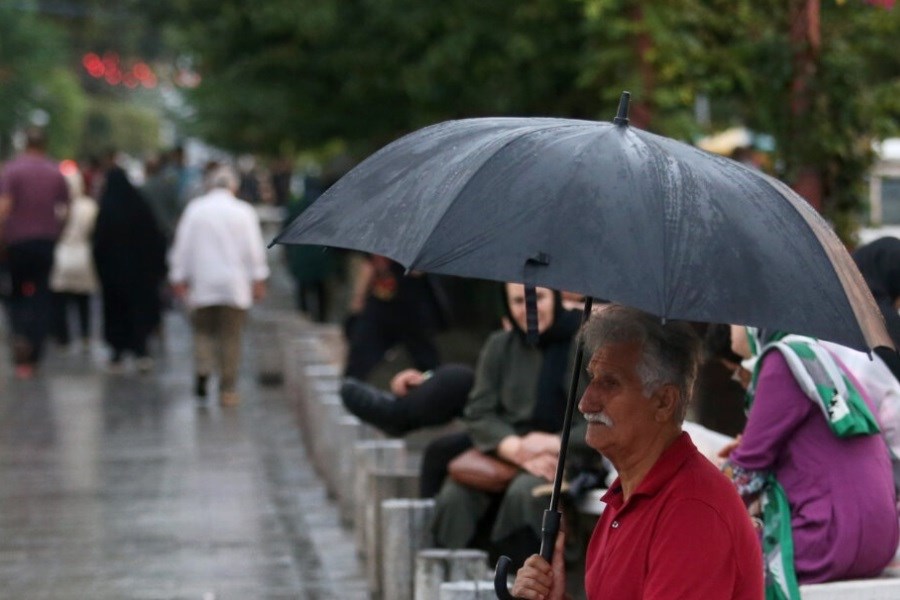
130 254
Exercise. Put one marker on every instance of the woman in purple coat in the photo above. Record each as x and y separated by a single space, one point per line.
811 454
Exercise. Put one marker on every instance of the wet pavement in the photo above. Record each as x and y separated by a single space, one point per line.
117 486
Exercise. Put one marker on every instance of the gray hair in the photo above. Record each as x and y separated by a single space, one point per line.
670 352
223 177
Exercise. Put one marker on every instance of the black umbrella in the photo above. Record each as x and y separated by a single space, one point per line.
606 210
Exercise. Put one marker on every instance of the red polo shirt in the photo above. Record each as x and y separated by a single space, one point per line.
684 533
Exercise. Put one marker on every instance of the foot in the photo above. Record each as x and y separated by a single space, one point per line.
24 371
373 406
200 386
144 364
229 399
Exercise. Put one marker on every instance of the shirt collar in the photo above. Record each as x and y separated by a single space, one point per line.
662 471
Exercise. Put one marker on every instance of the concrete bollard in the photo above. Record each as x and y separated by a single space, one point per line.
368 455
330 446
383 484
467 590
297 384
304 377
321 436
436 566
268 349
405 529
349 431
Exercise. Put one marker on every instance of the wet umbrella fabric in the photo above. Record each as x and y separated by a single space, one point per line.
602 209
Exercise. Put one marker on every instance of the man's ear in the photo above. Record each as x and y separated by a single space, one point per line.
666 401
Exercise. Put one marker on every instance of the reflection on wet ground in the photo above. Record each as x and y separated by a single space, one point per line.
117 486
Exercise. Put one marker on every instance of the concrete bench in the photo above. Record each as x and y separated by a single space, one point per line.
886 587
436 566
468 590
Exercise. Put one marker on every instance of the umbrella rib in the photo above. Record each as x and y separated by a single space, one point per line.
472 177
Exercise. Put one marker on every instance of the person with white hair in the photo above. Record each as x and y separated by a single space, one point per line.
673 526
217 266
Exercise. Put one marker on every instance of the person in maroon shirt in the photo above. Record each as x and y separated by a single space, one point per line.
673 526
34 199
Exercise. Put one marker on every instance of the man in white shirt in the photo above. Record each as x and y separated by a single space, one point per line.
217 266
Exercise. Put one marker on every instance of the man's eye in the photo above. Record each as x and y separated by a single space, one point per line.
608 382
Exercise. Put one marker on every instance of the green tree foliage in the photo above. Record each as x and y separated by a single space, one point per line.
110 124
29 51
742 56
365 71
305 73
64 100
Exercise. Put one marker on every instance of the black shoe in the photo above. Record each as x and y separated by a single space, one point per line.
374 407
200 386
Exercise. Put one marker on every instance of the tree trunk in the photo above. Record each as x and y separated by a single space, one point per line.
805 36
641 110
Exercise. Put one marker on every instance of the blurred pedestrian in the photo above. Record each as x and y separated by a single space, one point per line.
73 278
218 267
879 263
161 191
130 255
34 199
311 266
388 308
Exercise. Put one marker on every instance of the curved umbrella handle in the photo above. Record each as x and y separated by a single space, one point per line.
500 578
549 530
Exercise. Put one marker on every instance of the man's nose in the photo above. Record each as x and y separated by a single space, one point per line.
587 401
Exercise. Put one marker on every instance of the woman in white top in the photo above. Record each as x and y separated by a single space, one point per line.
73 278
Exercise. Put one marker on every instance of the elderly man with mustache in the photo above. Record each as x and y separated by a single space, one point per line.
673 526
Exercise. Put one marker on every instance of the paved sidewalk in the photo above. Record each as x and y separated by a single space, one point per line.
119 487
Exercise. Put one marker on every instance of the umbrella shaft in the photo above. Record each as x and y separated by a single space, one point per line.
570 410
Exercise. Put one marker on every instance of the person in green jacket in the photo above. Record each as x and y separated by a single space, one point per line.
311 266
514 412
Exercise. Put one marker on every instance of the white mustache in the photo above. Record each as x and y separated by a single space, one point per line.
598 417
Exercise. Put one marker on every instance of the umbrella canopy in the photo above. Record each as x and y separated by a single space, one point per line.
606 210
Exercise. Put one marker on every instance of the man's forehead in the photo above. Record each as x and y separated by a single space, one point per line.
617 355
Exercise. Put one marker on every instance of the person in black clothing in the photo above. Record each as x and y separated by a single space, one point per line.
389 308
879 263
130 256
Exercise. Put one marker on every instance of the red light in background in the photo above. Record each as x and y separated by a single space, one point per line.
110 68
93 65
141 71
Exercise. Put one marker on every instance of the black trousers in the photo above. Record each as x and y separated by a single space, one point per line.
30 304
437 456
437 401
62 302
312 299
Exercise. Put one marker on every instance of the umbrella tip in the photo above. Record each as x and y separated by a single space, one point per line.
622 115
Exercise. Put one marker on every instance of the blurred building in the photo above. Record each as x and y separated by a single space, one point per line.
884 193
